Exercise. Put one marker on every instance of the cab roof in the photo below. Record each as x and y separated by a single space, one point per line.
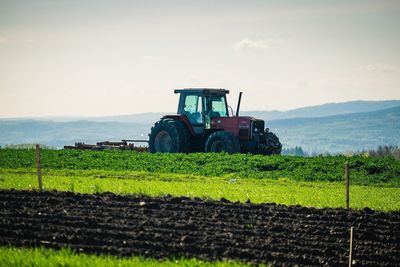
203 91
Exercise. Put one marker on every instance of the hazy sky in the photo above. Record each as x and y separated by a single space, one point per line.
87 58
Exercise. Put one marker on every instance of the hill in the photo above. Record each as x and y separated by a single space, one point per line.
323 110
340 133
333 134
61 133
329 109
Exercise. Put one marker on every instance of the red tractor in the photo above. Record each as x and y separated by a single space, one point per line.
203 124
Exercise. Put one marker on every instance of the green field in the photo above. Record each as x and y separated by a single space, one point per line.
383 171
25 257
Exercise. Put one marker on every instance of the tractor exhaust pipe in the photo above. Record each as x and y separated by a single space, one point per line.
238 105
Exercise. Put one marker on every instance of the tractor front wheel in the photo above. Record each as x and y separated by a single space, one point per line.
169 136
273 146
222 141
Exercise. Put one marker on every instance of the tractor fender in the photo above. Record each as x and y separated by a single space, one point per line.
182 118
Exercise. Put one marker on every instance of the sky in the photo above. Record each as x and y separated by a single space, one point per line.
98 57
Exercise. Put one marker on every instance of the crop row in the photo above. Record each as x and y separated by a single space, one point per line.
364 170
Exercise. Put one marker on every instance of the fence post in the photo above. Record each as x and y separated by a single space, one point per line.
347 178
38 167
351 247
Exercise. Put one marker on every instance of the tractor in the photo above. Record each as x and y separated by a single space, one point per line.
203 124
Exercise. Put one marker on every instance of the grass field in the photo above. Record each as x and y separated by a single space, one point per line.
25 257
282 191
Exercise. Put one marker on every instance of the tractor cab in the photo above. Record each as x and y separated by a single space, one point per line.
201 105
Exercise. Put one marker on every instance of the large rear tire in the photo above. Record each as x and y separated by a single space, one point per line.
169 136
222 141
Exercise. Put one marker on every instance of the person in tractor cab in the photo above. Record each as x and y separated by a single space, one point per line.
216 106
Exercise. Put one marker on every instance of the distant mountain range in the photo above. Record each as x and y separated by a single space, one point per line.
324 110
340 133
333 127
328 109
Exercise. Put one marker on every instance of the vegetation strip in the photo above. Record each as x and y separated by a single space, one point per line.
282 191
140 225
364 170
44 257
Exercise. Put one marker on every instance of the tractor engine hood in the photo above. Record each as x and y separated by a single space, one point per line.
242 126
243 122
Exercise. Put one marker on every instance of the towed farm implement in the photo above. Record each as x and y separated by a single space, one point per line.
123 145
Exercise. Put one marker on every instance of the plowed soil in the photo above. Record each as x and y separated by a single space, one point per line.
173 227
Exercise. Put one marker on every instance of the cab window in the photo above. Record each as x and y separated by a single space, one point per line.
217 106
193 109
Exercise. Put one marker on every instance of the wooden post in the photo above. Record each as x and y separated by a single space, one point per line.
39 167
347 178
351 247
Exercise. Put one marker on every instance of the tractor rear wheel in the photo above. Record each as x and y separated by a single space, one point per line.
169 136
222 141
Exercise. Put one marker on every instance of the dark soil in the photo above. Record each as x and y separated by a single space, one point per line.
173 227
